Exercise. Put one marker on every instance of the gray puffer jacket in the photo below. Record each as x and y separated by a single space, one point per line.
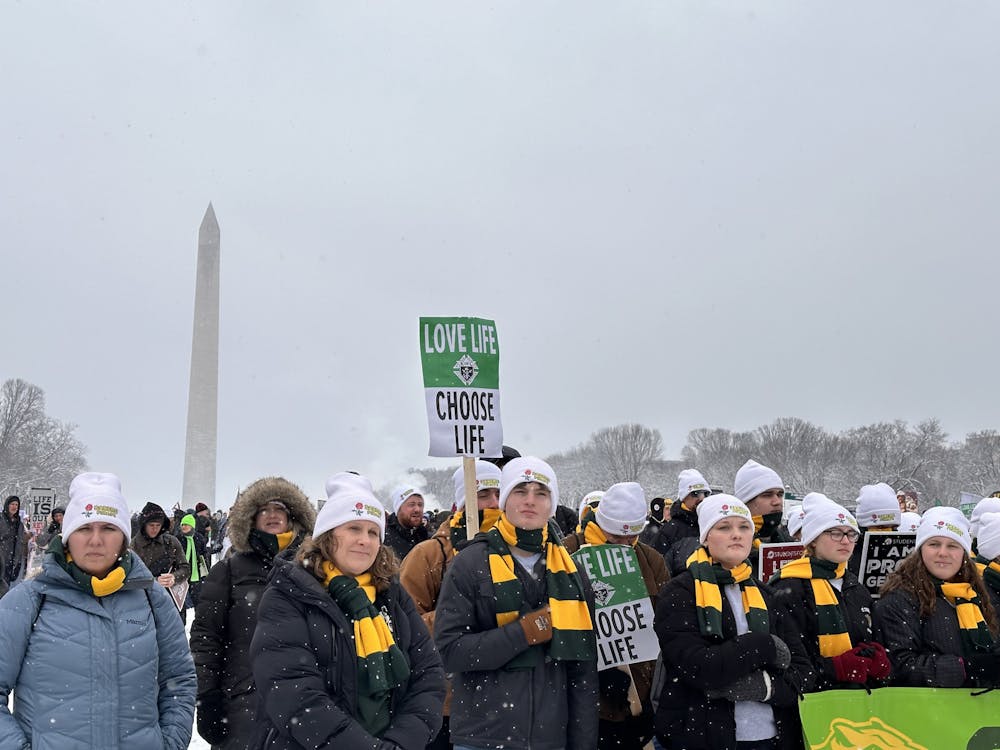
86 672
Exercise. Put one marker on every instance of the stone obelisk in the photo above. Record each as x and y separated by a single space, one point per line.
203 390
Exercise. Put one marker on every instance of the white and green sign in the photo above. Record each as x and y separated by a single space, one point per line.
461 365
623 620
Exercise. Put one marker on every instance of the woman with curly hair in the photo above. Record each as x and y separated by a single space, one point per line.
935 614
340 656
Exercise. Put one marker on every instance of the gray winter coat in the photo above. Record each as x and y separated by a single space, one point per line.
112 672
552 705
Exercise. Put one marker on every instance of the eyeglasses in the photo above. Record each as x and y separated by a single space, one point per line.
701 493
838 535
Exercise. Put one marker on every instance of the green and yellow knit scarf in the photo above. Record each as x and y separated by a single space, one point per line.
764 526
381 665
586 514
457 535
989 570
572 629
111 583
594 534
976 636
709 578
834 639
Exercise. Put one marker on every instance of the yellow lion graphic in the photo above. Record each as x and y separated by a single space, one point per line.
873 734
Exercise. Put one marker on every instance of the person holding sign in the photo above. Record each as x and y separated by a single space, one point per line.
423 569
619 519
935 614
762 490
733 670
340 656
514 624
827 604
93 649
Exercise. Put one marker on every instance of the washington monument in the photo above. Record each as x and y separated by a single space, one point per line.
203 388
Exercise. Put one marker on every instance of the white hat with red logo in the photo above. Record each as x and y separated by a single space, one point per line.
622 510
528 469
349 497
714 508
96 498
822 514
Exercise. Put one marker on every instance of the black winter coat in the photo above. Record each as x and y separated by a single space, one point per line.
686 718
304 665
552 705
678 538
925 652
795 603
403 538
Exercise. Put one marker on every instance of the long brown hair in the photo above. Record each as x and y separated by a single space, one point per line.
912 576
314 552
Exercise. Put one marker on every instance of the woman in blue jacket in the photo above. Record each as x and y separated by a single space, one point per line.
93 651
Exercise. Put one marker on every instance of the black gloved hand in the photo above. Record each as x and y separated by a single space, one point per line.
212 724
782 655
983 668
751 687
613 684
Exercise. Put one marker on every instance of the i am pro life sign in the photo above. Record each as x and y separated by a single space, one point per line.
461 365
623 617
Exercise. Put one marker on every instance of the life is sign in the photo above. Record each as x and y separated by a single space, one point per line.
41 501
460 358
623 615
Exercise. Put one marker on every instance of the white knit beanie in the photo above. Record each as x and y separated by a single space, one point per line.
795 519
487 478
909 522
714 508
590 500
96 498
349 497
690 480
821 513
877 506
945 521
528 469
986 505
753 479
401 495
989 536
623 509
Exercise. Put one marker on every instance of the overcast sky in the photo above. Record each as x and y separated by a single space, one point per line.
683 214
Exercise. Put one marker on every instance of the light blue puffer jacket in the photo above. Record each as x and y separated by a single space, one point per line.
94 672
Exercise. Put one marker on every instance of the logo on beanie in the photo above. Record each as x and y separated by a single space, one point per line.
533 476
466 369
361 509
738 509
88 510
485 484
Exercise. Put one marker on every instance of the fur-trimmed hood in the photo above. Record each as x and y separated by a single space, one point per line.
256 496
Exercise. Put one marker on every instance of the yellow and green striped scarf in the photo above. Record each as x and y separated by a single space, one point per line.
594 534
976 636
834 639
989 570
572 629
709 577
764 526
586 514
381 665
457 535
111 583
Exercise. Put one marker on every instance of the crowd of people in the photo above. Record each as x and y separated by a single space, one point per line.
356 627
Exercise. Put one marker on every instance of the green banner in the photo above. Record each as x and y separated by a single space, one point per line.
623 617
901 719
460 358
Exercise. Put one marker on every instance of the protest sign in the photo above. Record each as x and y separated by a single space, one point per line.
460 358
771 557
901 719
41 501
623 619
880 554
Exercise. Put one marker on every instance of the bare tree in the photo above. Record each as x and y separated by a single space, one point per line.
35 449
626 450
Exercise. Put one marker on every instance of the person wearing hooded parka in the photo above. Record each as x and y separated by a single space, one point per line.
269 520
341 658
93 650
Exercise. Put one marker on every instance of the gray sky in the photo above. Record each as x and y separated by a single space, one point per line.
683 214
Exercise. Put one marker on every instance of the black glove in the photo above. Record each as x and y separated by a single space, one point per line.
212 724
782 656
983 668
612 684
751 687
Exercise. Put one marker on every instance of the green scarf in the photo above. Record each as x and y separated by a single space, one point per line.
380 664
709 578
191 555
572 629
834 639
976 635
93 585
